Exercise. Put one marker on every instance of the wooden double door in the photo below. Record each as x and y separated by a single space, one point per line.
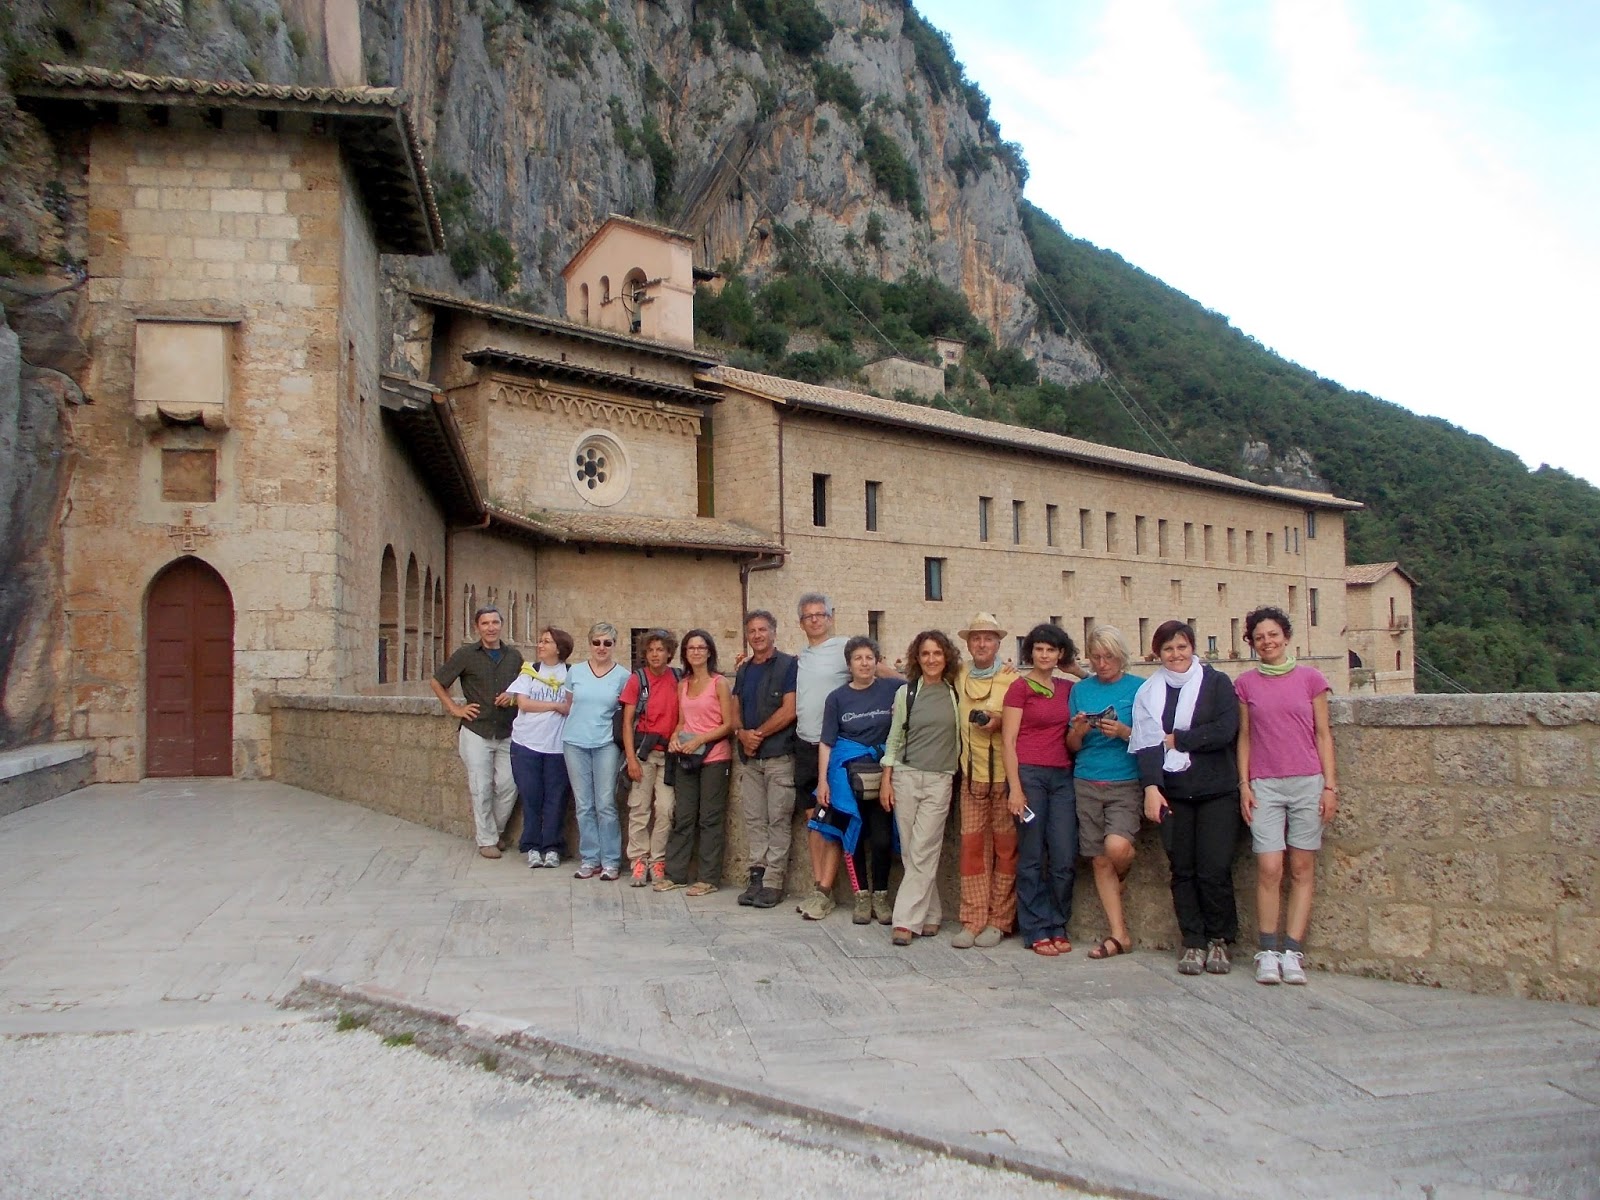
189 672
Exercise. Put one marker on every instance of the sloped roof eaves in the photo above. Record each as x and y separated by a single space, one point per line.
838 402
365 105
666 231
693 535
585 333
1364 574
431 436
615 380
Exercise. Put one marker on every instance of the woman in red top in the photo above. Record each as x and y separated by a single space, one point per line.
1033 729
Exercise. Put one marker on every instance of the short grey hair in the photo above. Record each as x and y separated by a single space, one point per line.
813 598
1107 638
606 628
761 614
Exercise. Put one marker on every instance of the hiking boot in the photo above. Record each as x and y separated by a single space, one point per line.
1268 969
818 905
766 897
862 913
640 870
1293 965
748 896
1193 961
658 872
1217 960
882 910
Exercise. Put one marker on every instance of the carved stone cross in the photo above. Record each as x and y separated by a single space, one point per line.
184 536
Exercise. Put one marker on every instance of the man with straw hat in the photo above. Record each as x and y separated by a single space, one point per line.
988 832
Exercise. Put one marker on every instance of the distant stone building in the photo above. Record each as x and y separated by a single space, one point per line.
1380 628
893 375
276 493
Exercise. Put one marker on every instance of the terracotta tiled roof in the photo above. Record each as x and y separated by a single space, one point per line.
615 380
373 125
572 329
1360 574
940 421
627 529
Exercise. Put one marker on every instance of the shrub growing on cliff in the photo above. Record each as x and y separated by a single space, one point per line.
891 170
472 241
837 86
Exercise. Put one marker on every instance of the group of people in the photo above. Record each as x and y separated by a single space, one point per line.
1047 761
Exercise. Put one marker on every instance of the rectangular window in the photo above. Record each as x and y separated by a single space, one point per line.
705 470
1163 546
1233 545
1050 524
872 505
1211 645
1222 594
1312 596
1069 586
1249 546
1177 592
1233 637
636 647
1297 539
1057 619
1211 544
1144 631
1111 532
933 579
1127 589
1288 546
1294 601
875 625
1311 525
819 501
1272 555
1016 522
1083 529
1188 539
1088 628
1141 538
983 517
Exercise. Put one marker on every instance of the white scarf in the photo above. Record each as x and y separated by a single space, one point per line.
1151 701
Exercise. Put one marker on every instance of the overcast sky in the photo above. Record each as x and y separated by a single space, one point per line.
1403 197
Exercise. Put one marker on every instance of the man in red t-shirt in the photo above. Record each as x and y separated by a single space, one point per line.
644 740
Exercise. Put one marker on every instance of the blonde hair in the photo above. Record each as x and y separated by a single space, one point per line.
1108 638
606 628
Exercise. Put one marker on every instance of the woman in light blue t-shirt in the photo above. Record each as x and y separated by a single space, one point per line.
1107 776
593 756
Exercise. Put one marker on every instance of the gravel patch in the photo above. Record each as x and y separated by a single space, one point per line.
302 1111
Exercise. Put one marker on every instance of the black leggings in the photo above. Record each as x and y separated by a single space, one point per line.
875 847
1200 836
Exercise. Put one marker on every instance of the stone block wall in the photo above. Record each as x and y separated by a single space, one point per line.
1466 853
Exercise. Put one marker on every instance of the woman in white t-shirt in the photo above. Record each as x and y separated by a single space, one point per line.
537 762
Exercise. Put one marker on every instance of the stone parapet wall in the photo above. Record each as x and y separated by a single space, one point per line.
1466 853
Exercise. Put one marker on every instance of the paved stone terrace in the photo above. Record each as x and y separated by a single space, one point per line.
181 902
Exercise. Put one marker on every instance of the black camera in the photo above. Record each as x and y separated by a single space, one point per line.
979 718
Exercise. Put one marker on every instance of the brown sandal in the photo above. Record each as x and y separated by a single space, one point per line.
1109 947
1046 947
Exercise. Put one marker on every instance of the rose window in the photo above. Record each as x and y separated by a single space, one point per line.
599 469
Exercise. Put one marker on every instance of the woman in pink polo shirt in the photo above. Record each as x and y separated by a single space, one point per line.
1287 787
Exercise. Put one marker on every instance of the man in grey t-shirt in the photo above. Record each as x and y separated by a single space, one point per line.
822 670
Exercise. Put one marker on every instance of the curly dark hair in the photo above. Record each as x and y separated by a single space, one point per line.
952 656
1266 612
664 636
1051 635
856 643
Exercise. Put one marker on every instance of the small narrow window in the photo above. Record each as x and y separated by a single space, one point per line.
983 517
872 505
1188 539
705 469
1049 524
1211 645
1211 543
1272 555
1312 597
1222 594
1016 522
1083 529
1141 539
1294 601
933 579
1127 589
1249 546
1111 532
1177 592
1311 525
1144 631
819 501
1069 585
875 625
1233 637
1162 546
1233 545
1088 628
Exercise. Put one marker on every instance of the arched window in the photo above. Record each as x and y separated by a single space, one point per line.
408 659
438 622
605 289
388 617
633 298
425 643
583 303
1355 659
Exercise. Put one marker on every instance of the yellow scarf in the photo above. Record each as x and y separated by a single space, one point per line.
531 670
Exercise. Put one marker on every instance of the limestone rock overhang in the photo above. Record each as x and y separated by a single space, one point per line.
701 360
936 422
615 381
421 417
698 535
373 127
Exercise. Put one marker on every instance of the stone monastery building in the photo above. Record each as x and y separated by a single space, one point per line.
275 495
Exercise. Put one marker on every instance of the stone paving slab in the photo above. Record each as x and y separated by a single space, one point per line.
170 902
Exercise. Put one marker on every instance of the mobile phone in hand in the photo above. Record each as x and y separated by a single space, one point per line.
1027 814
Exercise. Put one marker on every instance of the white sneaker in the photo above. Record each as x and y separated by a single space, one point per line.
552 859
1269 968
1292 966
535 859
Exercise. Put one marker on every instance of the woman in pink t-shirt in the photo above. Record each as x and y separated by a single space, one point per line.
1033 731
703 759
1287 788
